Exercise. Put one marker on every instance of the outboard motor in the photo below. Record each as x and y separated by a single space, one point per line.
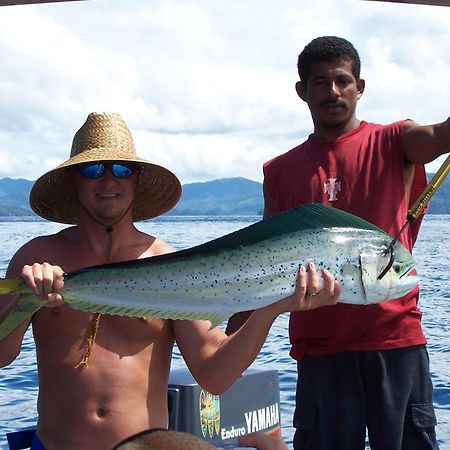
251 404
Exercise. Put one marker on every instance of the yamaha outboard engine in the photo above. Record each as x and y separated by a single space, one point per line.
251 404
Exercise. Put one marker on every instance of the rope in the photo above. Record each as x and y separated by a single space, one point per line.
90 342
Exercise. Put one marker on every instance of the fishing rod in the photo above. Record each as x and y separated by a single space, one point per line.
417 208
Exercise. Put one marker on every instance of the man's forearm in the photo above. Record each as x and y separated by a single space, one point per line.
237 352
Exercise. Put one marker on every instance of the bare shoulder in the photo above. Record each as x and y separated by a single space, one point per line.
410 123
410 126
47 248
157 247
440 130
424 143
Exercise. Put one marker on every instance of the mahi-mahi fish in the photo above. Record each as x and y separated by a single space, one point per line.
244 270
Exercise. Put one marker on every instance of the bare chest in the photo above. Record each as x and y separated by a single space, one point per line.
67 331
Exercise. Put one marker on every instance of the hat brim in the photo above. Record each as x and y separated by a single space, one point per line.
53 197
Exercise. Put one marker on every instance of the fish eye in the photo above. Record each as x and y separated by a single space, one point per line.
396 267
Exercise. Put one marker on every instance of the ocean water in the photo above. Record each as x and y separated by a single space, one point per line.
18 382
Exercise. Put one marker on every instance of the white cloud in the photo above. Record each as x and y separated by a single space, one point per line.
206 87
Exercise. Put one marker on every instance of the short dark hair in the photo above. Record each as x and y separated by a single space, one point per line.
327 49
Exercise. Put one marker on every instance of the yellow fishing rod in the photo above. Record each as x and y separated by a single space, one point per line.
428 192
418 207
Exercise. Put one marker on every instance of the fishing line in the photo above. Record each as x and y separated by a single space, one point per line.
417 208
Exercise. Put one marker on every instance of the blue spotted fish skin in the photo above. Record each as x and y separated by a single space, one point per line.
211 284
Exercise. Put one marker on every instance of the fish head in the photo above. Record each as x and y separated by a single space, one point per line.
398 281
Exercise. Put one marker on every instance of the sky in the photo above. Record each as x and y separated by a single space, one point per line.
207 87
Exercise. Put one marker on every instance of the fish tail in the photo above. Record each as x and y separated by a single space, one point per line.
12 286
13 314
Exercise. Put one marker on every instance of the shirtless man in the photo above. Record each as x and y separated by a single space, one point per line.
103 378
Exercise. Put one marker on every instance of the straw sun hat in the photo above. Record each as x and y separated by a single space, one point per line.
104 137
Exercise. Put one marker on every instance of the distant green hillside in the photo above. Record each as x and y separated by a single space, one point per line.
440 202
14 197
228 196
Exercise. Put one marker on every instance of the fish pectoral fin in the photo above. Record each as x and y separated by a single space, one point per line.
87 306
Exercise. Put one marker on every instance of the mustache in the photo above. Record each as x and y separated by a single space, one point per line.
339 103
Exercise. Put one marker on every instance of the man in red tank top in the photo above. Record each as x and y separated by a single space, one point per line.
359 367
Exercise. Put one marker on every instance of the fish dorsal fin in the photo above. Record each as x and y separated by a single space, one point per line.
304 217
316 215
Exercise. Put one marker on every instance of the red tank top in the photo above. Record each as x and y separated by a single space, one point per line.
361 172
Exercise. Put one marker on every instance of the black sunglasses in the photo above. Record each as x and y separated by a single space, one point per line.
97 170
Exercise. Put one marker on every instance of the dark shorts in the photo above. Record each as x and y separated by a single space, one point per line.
388 392
24 439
